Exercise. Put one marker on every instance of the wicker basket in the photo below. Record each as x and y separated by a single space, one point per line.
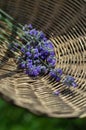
64 22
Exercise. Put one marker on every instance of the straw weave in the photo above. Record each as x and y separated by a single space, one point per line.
64 23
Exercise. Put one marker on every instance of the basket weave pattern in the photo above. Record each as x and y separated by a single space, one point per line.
64 22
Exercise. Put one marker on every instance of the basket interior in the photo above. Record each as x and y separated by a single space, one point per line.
64 23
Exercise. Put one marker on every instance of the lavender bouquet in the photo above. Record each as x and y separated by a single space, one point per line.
33 51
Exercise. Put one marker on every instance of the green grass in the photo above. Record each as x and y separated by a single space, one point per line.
14 118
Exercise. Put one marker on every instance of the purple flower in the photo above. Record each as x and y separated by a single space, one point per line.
35 51
74 84
23 49
40 48
44 53
28 46
49 45
26 27
51 61
42 35
22 65
28 54
69 81
59 71
52 53
53 73
30 26
33 71
38 68
42 57
33 32
38 56
29 63
58 79
52 64
36 61
44 69
29 60
45 39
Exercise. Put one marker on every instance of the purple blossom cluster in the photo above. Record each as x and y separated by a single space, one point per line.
56 73
38 56
69 81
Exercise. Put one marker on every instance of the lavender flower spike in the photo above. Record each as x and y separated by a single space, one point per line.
69 81
38 56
